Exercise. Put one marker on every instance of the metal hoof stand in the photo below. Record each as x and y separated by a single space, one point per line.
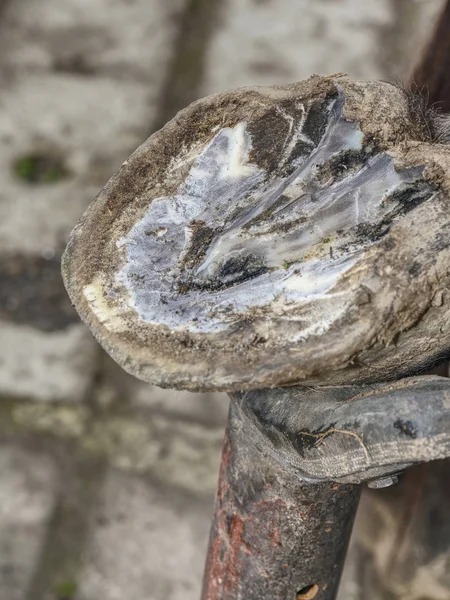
274 535
289 245
290 481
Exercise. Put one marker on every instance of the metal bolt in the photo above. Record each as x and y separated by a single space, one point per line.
383 482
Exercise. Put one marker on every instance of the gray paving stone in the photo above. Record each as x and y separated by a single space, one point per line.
209 409
46 366
268 42
148 544
180 452
79 89
81 80
263 42
27 494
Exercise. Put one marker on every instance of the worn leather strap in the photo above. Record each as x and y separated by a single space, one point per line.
351 434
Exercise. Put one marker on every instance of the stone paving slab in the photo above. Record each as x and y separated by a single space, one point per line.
46 366
82 80
264 42
79 88
27 494
208 409
148 543
177 452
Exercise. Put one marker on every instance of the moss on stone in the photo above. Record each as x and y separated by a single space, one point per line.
65 589
39 168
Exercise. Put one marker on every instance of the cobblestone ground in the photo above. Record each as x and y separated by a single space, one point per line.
107 484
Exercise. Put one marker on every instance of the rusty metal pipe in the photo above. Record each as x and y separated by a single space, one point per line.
274 535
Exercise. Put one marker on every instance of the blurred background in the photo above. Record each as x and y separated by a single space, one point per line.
107 484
